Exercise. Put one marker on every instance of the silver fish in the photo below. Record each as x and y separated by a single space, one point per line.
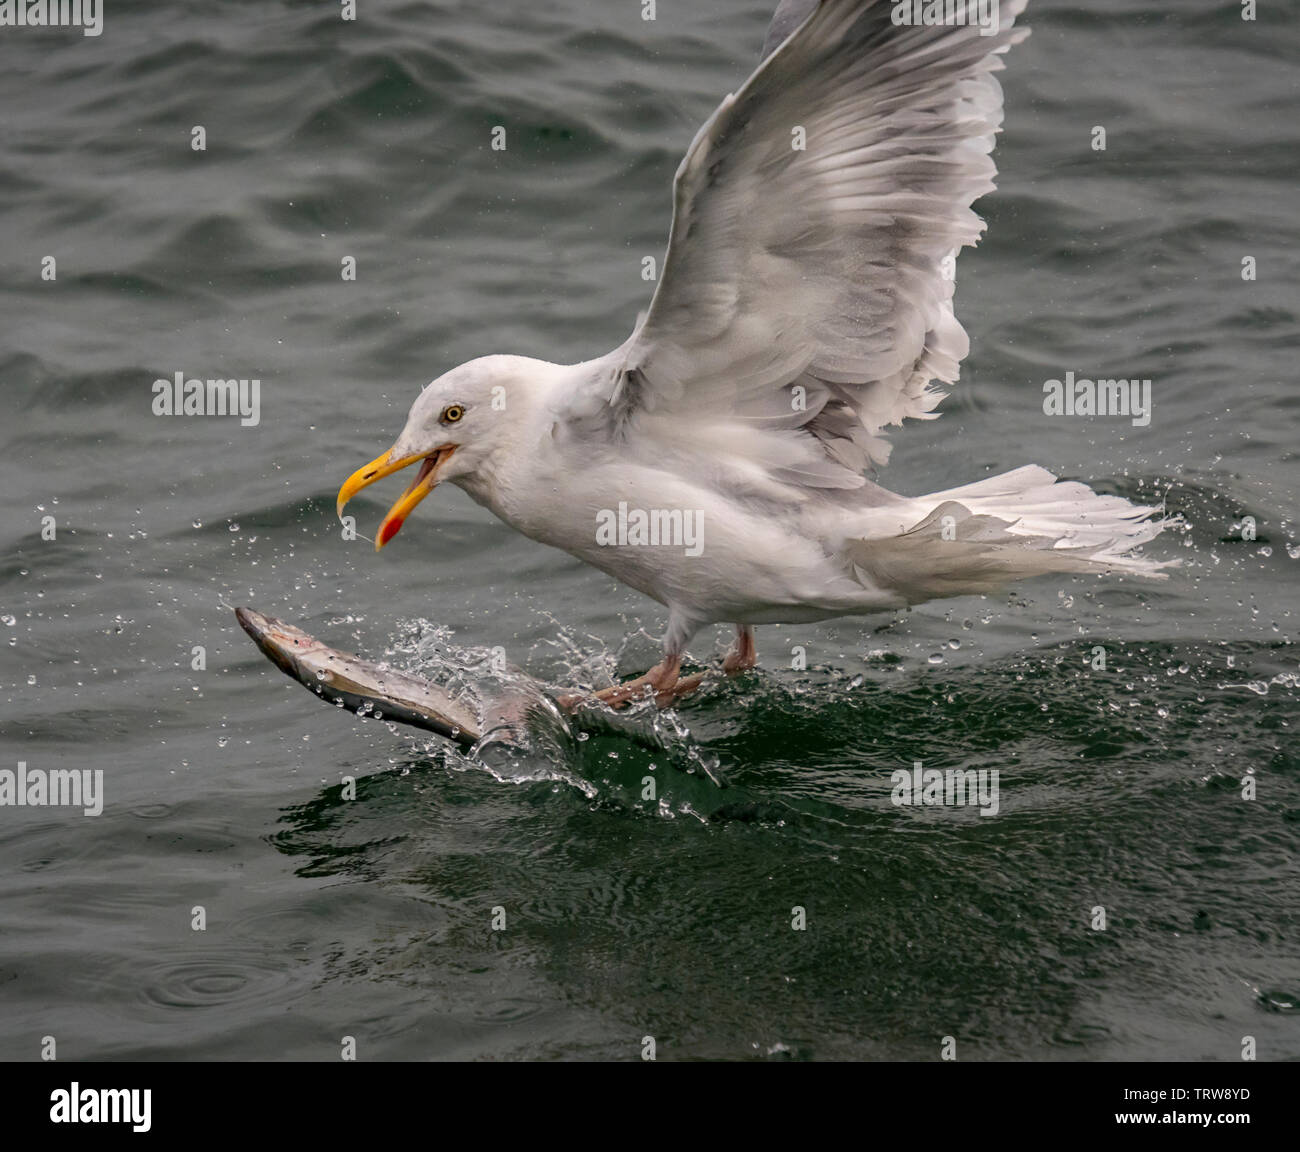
502 713
335 675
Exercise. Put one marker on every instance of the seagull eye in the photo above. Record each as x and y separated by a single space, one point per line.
452 413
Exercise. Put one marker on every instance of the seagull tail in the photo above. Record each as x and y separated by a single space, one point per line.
978 538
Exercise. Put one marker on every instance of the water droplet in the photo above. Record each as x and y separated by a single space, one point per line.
234 527
31 679
954 644
223 741
935 658
197 523
9 621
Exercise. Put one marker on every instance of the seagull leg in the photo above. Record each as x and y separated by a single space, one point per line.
638 689
743 654
665 677
662 681
653 683
683 687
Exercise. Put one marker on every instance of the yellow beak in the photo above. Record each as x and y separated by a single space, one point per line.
425 482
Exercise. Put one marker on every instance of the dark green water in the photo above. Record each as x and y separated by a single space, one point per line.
625 917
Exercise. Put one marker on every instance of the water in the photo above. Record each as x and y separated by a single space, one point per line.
625 916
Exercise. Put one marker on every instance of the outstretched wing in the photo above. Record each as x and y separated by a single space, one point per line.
806 297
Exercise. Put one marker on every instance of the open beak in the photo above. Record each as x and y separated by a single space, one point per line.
425 482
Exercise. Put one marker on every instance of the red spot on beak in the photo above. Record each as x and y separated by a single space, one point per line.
390 530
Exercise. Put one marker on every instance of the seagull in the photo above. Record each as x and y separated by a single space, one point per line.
718 460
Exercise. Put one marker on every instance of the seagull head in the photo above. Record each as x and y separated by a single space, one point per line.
454 428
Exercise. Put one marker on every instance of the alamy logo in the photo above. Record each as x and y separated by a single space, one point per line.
77 1105
655 527
952 788
58 788
181 397
88 15
982 14
1083 397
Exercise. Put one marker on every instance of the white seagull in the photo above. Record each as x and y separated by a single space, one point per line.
805 305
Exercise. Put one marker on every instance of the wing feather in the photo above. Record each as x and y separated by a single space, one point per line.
807 290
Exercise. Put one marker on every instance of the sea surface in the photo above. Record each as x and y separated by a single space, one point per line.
1137 894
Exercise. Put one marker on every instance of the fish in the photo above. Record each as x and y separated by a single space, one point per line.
502 713
362 685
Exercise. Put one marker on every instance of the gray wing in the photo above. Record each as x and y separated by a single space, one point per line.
806 297
788 16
